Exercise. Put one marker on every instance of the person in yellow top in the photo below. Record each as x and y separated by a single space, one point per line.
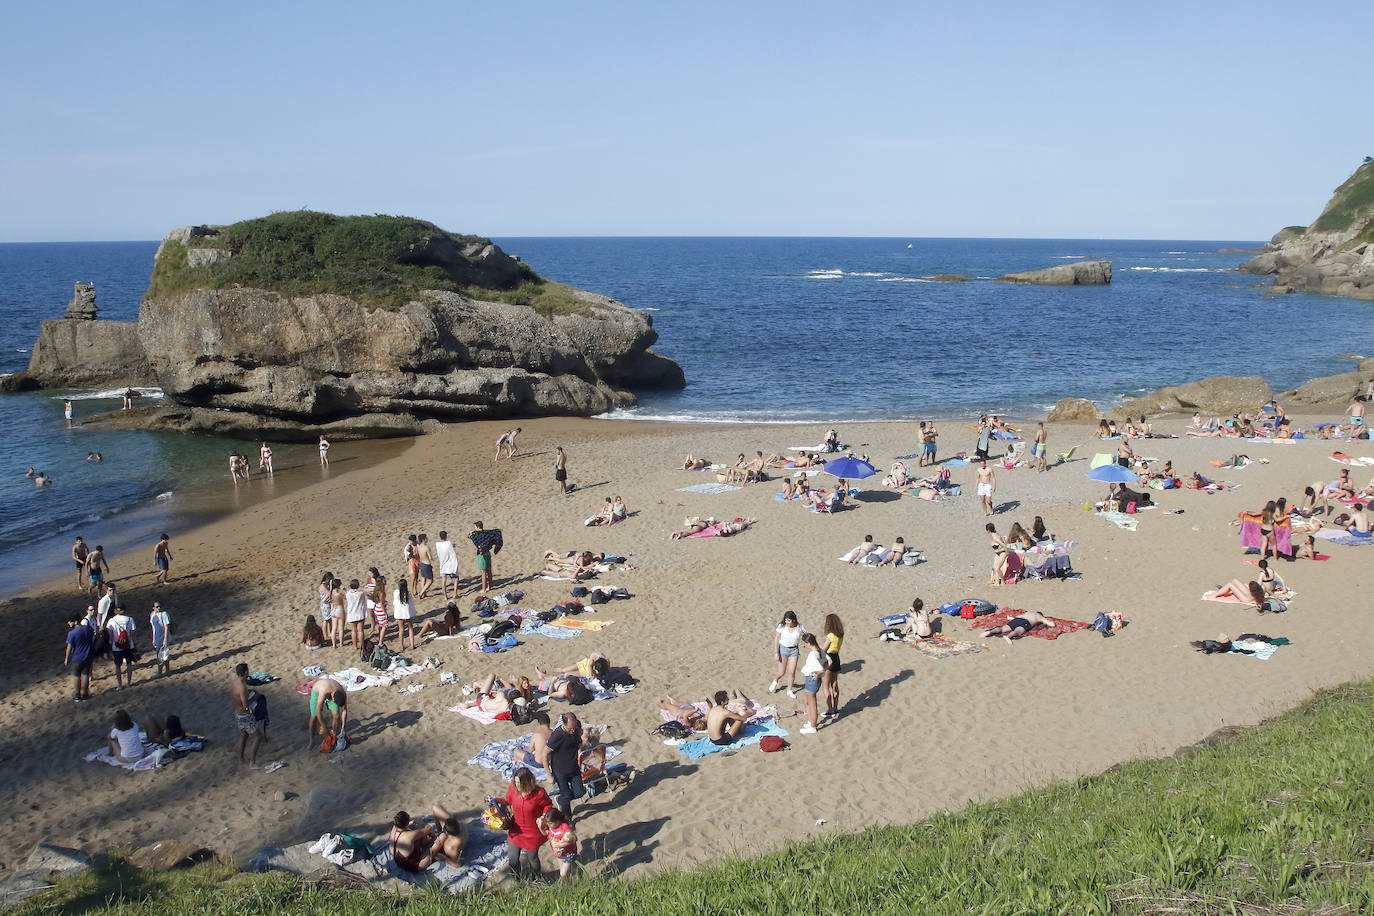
593 666
830 678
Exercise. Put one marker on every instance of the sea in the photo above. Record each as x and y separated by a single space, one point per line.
767 330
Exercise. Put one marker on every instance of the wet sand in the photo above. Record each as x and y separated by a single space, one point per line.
917 735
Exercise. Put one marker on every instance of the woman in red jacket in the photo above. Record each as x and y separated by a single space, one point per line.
528 801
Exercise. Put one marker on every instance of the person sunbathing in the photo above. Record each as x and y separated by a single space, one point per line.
1270 580
694 525
1359 522
735 527
449 626
808 460
1017 627
740 472
692 463
789 489
494 696
619 511
604 517
777 461
686 713
1196 482
1251 593
581 566
855 556
595 665
897 477
894 556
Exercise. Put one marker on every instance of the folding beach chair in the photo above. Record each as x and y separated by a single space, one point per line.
1066 457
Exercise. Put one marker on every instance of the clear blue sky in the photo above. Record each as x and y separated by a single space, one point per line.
1168 120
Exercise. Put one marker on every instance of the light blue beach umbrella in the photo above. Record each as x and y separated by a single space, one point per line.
850 468
1114 473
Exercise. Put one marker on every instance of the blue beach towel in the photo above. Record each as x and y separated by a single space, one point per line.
753 733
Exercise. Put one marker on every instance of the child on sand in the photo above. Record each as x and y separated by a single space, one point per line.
562 840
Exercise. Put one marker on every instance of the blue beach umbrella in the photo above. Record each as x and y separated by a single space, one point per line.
850 468
1113 473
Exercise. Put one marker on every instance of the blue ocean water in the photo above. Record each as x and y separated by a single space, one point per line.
771 329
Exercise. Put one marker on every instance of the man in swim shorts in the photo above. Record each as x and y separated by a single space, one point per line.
1017 627
1359 522
331 693
162 558
987 485
722 725
79 554
251 730
96 569
560 469
426 560
928 436
1038 449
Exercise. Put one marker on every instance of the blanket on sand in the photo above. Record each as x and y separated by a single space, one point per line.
753 734
710 489
1342 537
497 756
1059 625
943 647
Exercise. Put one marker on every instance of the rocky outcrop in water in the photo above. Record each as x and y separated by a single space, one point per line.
82 304
1334 255
1218 394
1071 410
1079 273
81 353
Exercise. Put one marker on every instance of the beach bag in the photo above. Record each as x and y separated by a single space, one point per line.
521 714
1102 624
579 591
1273 606
366 651
597 596
507 642
122 641
772 743
327 744
259 708
499 630
496 815
380 659
100 642
570 608
579 694
546 616
673 730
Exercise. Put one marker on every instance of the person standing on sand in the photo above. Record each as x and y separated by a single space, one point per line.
1038 449
108 605
987 485
79 554
324 451
336 613
162 558
80 654
355 609
122 647
510 443
426 559
984 439
447 555
160 625
486 545
96 569
564 768
252 731
67 412
560 469
412 562
403 609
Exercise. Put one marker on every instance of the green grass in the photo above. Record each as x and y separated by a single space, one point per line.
1278 819
1353 199
369 258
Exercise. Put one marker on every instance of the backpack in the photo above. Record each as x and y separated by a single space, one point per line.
366 651
672 730
121 640
579 694
259 707
770 743
499 630
521 714
597 596
380 659
100 642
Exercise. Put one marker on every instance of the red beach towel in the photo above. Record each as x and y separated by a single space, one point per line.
1059 628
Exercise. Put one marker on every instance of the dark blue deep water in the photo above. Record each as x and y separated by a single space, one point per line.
766 330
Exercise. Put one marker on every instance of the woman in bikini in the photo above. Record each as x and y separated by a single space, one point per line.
999 559
1251 593
411 844
376 588
495 697
312 637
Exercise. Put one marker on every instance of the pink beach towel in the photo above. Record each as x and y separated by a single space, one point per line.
712 531
1250 534
473 713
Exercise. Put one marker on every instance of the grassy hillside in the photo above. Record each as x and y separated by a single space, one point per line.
1278 819
370 258
1353 200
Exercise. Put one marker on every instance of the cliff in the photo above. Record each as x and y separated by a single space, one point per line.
83 353
1335 254
305 323
1079 273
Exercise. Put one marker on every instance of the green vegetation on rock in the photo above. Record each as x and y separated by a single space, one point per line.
379 260
1352 201
1278 818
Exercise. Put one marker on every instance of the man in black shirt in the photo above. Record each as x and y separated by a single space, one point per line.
564 745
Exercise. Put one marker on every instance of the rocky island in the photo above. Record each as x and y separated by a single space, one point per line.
302 323
1334 255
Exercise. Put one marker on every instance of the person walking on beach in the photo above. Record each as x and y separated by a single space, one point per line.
987 485
251 729
96 569
564 768
447 555
265 459
560 469
486 543
984 439
162 558
79 554
324 451
122 648
80 654
1038 449
786 640
67 412
425 557
108 605
160 625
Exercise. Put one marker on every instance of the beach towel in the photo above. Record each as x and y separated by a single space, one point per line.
355 679
710 531
1250 532
486 851
1342 537
912 557
957 462
487 540
1120 519
1283 538
1227 599
943 646
758 712
779 497
710 489
473 713
907 457
1254 648
753 733
578 624
151 760
552 632
497 756
1059 625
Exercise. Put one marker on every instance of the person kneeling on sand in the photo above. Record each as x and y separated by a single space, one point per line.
1017 627
723 726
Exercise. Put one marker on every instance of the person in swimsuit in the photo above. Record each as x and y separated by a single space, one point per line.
1251 593
67 412
918 621
252 731
336 613
96 569
411 844
449 626
692 463
451 839
987 485
1038 450
162 558
723 726
312 637
377 598
425 559
560 469
895 555
537 753
1359 522
265 459
510 443
1017 627
332 694
324 451
79 554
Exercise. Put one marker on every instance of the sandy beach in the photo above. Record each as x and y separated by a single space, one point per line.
917 734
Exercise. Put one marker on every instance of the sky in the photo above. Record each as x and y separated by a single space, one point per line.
1214 120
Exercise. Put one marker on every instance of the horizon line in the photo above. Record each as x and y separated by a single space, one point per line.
908 238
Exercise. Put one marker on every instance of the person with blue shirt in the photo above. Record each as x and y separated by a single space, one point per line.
80 654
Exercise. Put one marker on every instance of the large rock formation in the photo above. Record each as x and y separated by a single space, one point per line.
1079 273
80 353
386 358
1070 410
1218 394
1335 254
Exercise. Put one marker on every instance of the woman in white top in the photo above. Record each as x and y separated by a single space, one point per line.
125 741
785 642
811 671
403 609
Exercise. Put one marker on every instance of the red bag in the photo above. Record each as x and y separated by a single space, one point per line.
968 611
771 743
